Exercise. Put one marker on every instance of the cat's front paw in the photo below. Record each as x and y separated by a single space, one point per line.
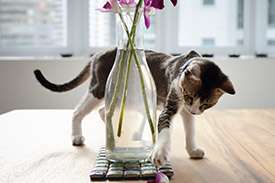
196 153
159 155
78 140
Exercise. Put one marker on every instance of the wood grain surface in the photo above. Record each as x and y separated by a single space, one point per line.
35 147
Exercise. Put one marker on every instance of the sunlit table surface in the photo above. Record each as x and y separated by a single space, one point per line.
35 146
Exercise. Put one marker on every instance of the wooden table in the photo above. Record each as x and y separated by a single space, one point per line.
35 147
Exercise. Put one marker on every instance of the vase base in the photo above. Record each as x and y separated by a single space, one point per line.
126 154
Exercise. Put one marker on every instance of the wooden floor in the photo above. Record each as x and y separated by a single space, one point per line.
35 147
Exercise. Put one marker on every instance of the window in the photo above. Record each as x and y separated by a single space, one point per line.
208 2
271 13
271 42
52 27
239 42
102 27
271 23
223 23
240 14
40 23
208 42
150 34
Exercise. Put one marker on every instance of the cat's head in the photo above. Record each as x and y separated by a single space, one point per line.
202 83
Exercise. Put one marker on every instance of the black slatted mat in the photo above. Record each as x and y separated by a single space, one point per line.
106 170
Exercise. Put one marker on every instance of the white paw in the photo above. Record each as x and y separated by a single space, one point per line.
78 140
159 155
196 153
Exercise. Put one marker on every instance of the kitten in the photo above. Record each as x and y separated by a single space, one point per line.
189 85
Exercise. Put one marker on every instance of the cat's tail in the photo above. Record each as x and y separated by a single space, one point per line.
82 77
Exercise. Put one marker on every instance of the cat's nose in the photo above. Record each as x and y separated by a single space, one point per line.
195 112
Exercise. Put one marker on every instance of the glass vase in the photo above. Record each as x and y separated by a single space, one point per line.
130 96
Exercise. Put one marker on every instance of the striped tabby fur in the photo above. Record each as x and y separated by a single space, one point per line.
189 92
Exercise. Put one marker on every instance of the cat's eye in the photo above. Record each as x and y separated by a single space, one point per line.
206 106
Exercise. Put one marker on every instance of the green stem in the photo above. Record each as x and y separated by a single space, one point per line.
131 36
136 18
124 94
140 74
110 144
144 95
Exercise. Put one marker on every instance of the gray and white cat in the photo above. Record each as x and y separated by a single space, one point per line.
186 84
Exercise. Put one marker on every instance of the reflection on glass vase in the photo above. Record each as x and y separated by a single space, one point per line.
130 97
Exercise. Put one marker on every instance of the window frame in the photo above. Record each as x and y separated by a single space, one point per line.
261 45
270 48
246 49
39 51
255 11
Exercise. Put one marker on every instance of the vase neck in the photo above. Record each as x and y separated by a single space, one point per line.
138 34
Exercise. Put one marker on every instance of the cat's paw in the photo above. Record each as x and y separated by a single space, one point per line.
78 140
196 153
159 155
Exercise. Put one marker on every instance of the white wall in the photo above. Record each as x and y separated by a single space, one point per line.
218 22
20 90
254 81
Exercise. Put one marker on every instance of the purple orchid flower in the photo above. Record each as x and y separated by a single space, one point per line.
110 6
128 3
148 11
160 178
150 8
159 4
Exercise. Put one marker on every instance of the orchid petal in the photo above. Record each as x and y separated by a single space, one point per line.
110 6
147 19
102 10
106 8
148 11
158 4
115 6
147 2
128 4
174 2
161 178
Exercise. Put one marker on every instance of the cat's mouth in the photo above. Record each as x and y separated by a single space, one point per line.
194 113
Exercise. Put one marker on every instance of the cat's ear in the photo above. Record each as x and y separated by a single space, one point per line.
192 73
227 87
192 54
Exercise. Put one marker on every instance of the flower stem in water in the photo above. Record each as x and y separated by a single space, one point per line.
124 93
110 143
140 73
